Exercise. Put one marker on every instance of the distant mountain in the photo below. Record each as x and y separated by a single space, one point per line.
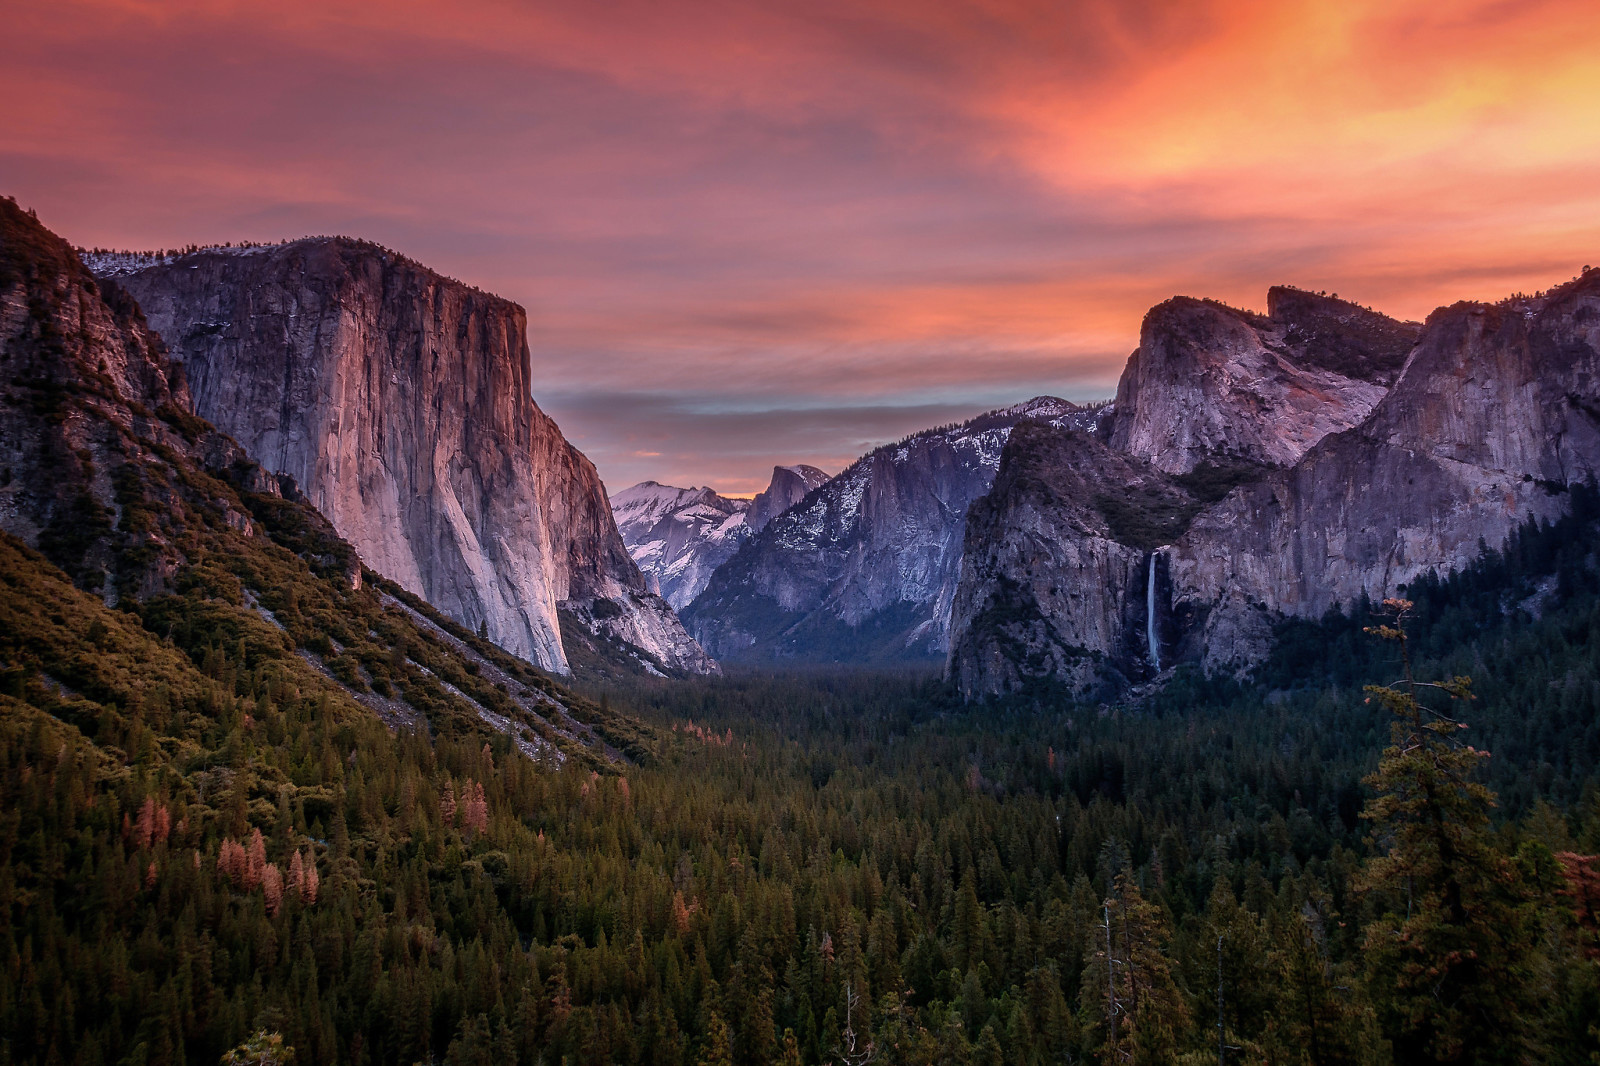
679 536
864 567
1260 468
400 403
789 485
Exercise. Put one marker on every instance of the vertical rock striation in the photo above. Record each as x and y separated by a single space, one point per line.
400 402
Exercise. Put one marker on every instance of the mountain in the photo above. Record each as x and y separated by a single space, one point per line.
680 536
864 567
1099 561
155 579
400 403
789 485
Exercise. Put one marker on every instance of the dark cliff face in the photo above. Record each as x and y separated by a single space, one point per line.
1495 411
864 567
1053 577
88 398
1210 383
400 402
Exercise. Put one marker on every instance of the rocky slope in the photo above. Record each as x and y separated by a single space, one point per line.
1495 411
864 567
680 536
231 592
399 401
1211 383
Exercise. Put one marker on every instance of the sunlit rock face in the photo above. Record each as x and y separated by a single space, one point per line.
1263 497
864 567
1214 383
1496 413
400 401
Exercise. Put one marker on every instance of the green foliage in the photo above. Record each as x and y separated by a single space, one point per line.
1146 515
1452 960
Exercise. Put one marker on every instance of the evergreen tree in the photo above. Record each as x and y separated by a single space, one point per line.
1451 962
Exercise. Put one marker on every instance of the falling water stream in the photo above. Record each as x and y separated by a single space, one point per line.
1151 635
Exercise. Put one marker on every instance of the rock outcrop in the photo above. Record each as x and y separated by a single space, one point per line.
88 395
1238 520
1043 549
864 567
1496 413
789 485
1210 383
400 402
113 481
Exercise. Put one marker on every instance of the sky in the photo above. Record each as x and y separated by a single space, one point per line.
752 233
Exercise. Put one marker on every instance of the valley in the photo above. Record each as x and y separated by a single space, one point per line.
343 710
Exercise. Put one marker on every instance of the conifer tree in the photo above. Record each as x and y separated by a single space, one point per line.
1451 962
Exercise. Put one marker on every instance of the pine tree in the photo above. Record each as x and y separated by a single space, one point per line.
1451 963
718 1048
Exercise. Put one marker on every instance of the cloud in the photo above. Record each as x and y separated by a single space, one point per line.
791 229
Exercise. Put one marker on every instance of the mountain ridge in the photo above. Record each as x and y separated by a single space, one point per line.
1491 415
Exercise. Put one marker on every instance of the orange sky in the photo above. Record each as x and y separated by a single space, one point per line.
750 233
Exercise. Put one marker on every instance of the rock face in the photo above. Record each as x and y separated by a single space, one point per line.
864 567
106 471
1495 411
1210 383
1042 549
679 536
789 485
400 403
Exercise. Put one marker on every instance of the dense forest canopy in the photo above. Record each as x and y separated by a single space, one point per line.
794 866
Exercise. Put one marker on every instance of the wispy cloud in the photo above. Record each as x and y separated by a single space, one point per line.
791 231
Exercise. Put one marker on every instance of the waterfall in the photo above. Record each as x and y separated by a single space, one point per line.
1152 636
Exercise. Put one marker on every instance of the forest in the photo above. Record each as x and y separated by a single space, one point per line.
1381 849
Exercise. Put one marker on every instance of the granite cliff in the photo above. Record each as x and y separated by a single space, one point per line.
234 598
1211 383
864 567
400 403
789 485
1184 536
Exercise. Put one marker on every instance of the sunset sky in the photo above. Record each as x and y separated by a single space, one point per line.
749 233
